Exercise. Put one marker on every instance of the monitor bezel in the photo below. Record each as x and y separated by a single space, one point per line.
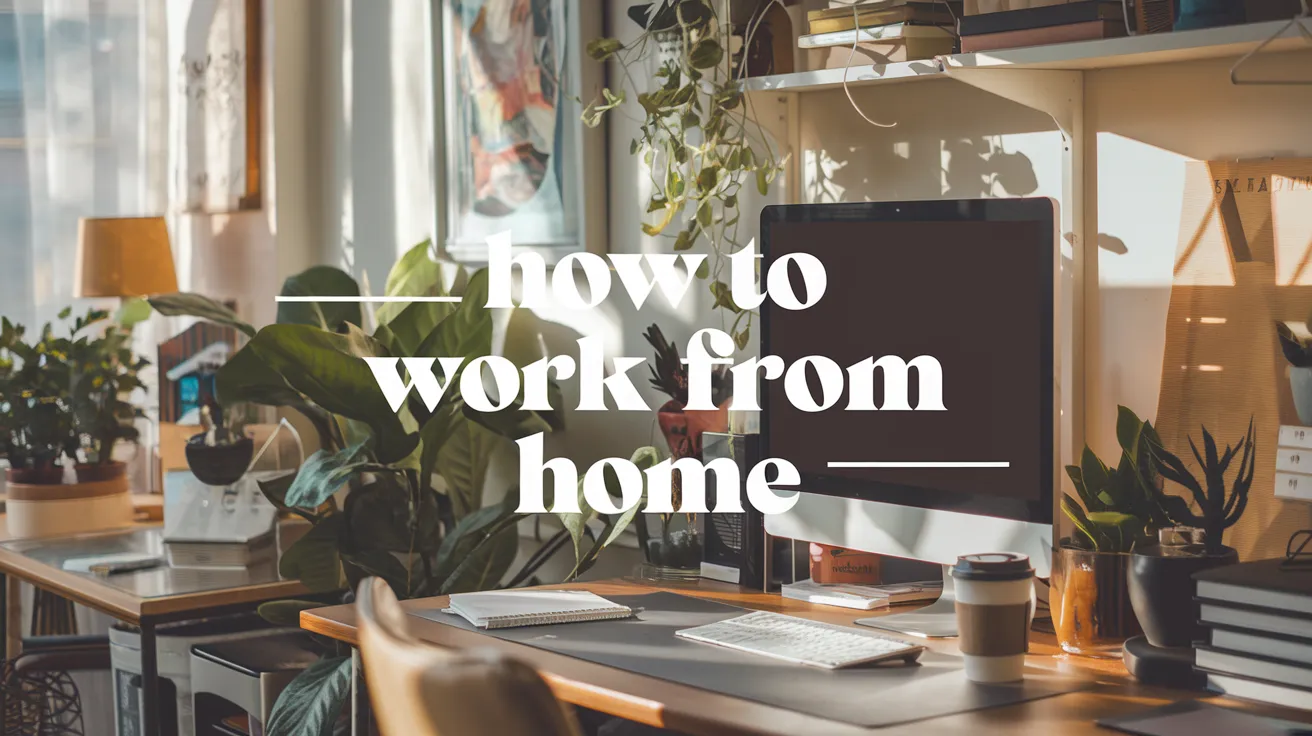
1039 210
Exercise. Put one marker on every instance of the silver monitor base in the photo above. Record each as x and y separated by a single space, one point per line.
938 620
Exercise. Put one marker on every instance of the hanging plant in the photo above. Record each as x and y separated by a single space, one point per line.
699 138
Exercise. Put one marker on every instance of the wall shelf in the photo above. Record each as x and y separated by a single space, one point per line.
1157 48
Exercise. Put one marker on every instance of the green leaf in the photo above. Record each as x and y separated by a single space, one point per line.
467 331
320 281
246 378
601 49
462 462
703 269
323 474
643 458
382 564
723 296
762 182
705 54
416 273
327 368
311 704
286 613
199 306
132 312
1096 479
708 178
314 559
704 213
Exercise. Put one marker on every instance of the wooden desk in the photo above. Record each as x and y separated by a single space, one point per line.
680 707
145 599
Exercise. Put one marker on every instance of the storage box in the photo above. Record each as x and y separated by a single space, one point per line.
838 565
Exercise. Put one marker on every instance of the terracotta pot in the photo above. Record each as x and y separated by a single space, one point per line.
35 476
69 508
1162 592
93 472
683 429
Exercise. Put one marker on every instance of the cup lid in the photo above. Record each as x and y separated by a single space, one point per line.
993 566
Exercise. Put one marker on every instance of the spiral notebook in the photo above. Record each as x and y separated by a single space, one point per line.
500 609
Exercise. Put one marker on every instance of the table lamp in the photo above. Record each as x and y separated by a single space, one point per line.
123 257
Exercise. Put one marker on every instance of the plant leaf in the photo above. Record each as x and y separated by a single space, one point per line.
285 613
600 49
705 54
320 281
462 461
311 704
200 306
415 274
314 559
322 474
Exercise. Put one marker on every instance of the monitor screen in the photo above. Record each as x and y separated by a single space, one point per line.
970 284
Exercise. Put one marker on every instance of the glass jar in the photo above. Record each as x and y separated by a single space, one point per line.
1090 602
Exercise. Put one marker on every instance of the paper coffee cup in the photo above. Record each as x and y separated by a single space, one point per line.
994 594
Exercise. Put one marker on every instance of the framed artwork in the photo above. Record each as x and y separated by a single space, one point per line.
517 156
216 49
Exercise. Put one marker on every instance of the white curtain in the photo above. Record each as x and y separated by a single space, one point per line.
92 99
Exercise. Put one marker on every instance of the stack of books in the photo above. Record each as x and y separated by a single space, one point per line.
1259 616
883 32
1082 20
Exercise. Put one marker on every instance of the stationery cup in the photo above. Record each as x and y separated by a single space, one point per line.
995 599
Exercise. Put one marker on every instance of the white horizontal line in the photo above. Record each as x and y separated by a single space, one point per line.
920 465
369 299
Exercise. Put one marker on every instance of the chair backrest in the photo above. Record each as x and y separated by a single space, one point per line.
419 689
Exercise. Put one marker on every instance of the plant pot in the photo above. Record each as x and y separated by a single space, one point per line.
683 429
1300 383
35 476
1091 602
95 472
1162 592
671 545
69 508
219 465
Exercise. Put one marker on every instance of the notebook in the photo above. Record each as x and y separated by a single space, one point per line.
500 609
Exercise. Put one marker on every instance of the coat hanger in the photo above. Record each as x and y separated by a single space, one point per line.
1300 22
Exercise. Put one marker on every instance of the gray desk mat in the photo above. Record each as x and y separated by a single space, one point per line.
869 696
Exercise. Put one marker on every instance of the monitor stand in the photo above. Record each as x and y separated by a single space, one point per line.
938 620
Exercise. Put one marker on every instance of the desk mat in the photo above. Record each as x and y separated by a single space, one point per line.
871 696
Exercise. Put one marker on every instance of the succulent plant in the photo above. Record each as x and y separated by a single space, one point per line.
670 376
1116 507
1219 507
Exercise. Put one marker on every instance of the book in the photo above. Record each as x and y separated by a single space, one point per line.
1253 668
1262 645
1262 583
1255 619
845 19
500 609
869 53
1090 31
862 597
895 31
1265 692
1082 11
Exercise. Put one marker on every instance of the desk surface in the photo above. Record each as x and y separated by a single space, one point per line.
161 593
671 705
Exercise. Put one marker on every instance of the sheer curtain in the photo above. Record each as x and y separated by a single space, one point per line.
92 104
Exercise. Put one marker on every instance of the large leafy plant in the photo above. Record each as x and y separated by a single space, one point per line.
412 512
1117 507
699 137
1219 506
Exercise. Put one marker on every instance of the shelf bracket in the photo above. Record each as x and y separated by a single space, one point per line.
1057 93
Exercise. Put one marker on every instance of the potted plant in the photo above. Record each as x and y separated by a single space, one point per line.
1112 518
103 373
1161 579
699 134
221 454
1299 354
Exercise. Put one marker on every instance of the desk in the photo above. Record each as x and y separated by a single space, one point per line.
145 598
671 705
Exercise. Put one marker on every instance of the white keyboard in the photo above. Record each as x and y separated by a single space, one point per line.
802 641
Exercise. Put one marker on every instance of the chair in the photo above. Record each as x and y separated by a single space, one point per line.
421 690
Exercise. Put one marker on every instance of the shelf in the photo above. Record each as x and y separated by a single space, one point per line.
1157 48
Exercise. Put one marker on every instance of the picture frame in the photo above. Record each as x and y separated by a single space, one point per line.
517 156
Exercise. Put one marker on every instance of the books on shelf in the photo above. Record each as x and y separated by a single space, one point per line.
1083 20
880 45
848 17
1090 31
1261 691
1262 584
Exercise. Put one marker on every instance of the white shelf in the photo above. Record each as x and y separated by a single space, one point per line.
1157 48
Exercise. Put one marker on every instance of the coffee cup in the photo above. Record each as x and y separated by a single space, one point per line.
995 599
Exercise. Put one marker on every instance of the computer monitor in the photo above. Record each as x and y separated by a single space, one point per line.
972 283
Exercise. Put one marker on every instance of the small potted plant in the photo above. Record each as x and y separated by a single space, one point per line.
1113 518
104 372
221 454
1299 354
36 428
1161 579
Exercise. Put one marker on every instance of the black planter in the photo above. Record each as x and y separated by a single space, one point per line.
1162 593
219 465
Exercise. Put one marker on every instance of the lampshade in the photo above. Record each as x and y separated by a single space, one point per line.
123 257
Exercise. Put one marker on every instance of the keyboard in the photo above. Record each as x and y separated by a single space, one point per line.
802 641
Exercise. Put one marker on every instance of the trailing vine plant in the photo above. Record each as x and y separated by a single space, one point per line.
699 138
